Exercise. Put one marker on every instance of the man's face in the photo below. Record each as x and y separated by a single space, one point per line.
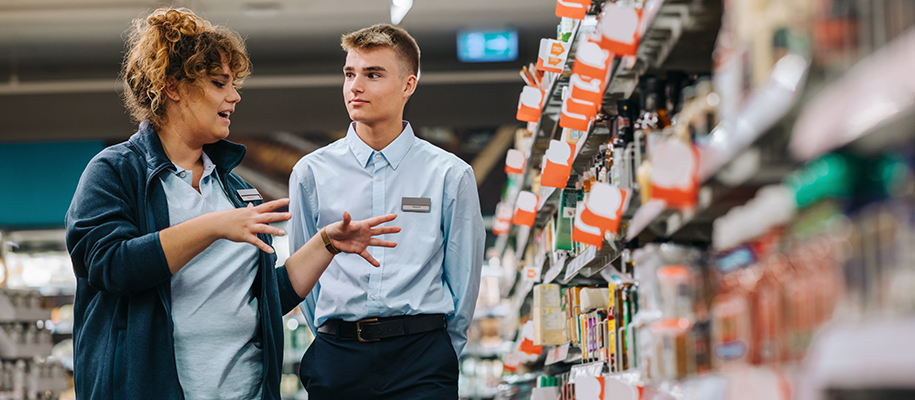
374 88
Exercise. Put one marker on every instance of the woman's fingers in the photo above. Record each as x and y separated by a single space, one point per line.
269 217
384 230
380 219
382 243
368 257
272 205
346 220
268 229
260 244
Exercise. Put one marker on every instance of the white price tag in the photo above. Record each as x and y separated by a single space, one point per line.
554 271
557 354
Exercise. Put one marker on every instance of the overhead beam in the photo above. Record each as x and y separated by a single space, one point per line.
494 152
256 82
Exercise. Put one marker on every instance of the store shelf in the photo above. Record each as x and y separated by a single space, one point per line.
591 262
564 353
24 308
879 119
727 154
10 350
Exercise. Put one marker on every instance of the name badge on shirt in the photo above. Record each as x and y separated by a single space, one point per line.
248 195
416 204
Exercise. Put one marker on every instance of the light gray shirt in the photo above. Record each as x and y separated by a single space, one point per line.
214 310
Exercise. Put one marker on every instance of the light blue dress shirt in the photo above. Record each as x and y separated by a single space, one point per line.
214 309
435 269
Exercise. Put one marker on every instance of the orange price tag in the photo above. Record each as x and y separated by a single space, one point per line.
552 55
675 173
557 165
530 103
525 209
619 28
514 162
575 9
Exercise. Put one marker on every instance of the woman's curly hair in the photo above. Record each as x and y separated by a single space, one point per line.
174 43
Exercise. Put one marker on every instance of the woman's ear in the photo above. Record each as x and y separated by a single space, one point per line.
171 89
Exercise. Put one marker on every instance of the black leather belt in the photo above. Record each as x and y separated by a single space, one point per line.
375 329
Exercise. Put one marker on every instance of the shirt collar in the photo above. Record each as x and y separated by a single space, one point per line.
394 152
208 166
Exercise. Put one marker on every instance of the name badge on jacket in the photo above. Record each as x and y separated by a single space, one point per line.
416 204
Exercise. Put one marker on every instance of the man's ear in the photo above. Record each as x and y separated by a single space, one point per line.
409 86
171 89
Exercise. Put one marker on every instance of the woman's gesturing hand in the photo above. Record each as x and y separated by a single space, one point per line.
355 236
243 224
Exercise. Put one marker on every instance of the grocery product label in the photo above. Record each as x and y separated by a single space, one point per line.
552 55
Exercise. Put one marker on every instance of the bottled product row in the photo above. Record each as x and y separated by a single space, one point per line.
709 235
28 370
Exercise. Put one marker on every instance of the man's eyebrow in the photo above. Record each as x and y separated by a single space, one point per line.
367 69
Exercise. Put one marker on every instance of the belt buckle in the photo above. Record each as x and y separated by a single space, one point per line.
359 330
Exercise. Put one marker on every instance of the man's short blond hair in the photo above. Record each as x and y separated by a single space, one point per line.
385 35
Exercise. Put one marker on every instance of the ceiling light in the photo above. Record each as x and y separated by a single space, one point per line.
399 9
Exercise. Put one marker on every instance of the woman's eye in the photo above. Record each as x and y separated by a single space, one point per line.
219 84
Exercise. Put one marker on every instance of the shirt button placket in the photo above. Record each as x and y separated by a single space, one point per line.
377 209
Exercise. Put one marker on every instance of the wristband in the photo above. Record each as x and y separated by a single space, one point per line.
327 243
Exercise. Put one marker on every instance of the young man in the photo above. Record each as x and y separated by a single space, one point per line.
393 332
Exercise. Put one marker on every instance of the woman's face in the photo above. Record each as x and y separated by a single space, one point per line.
206 112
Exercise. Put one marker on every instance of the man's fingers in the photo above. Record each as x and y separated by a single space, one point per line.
368 257
382 243
384 230
380 219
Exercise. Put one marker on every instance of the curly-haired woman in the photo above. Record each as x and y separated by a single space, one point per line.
177 295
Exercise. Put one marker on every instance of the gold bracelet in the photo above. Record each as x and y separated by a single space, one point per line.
327 243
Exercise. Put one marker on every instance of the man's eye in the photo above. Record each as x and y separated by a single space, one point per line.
348 74
374 75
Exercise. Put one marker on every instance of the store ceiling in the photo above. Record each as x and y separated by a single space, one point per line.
64 55
59 61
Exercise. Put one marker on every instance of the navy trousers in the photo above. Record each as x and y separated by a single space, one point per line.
416 366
